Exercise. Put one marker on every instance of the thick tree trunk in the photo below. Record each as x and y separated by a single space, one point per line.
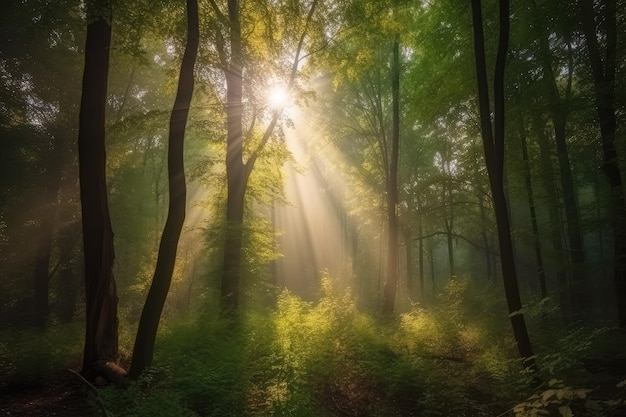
101 336
391 283
603 70
493 141
148 324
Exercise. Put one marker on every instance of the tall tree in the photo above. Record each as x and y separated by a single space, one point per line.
391 283
603 70
101 335
493 144
233 62
558 104
541 272
151 314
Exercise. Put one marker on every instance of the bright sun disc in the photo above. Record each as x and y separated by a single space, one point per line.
277 97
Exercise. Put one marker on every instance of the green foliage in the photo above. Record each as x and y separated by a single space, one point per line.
27 355
149 396
557 398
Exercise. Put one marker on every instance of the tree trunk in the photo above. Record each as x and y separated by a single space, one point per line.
421 257
408 250
235 168
391 283
558 113
603 70
485 238
541 272
101 335
433 277
153 307
556 230
45 238
493 141
448 223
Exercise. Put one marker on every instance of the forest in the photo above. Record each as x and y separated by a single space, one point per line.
313 208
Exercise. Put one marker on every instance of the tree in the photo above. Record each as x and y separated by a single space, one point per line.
101 333
234 63
391 283
558 105
493 145
151 314
603 71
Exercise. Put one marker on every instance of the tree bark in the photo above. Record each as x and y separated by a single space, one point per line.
148 324
493 143
101 333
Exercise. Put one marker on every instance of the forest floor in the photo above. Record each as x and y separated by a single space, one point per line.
62 394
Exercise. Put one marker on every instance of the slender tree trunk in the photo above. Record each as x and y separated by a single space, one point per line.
603 70
45 239
391 284
420 239
101 336
235 168
555 228
558 113
541 272
433 277
493 141
485 239
408 250
574 230
148 324
448 223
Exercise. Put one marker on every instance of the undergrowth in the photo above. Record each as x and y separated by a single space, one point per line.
328 358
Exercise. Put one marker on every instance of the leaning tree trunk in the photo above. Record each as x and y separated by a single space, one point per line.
153 307
101 335
603 70
493 142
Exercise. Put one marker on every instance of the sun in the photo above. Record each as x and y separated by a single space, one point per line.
277 97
